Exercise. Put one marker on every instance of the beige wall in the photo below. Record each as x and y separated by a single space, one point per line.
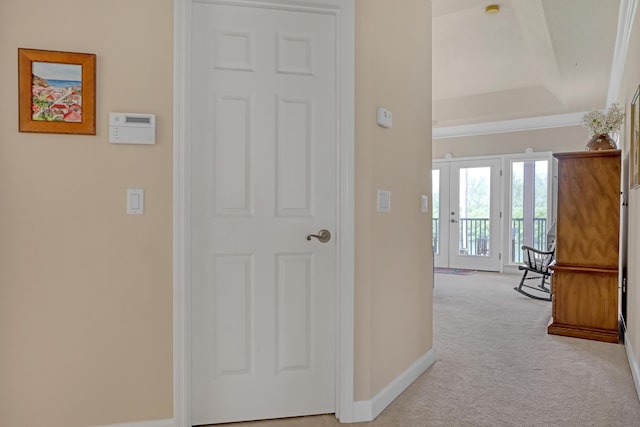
571 138
393 314
85 289
630 82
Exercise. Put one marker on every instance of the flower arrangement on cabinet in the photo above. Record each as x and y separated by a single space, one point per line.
600 123
604 127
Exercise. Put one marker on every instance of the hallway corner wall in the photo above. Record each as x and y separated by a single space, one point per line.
629 84
393 269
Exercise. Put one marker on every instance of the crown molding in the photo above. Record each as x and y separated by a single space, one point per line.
623 36
625 23
515 125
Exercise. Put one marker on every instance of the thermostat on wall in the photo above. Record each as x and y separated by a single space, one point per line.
132 128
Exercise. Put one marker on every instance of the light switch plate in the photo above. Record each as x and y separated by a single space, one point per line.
384 117
135 201
384 201
424 204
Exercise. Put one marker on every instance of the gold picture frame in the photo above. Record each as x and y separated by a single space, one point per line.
56 92
634 147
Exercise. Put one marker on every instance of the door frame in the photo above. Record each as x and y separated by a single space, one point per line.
443 245
495 219
344 11
505 205
508 160
500 205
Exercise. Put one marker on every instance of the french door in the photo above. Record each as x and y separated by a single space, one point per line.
531 206
466 214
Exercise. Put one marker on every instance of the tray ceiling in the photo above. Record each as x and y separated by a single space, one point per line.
534 58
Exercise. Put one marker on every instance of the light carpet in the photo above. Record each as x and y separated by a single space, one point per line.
497 366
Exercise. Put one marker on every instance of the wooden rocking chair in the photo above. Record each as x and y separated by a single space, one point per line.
537 262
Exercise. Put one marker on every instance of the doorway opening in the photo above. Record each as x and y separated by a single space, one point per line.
483 216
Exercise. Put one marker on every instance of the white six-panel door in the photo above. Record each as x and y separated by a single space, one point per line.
263 178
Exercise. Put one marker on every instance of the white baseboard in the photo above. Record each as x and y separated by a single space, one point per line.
633 364
511 269
368 410
363 411
153 423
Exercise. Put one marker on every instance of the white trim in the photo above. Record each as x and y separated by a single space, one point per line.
505 161
344 10
154 423
633 364
444 256
544 155
511 269
626 14
325 7
368 410
462 159
507 210
346 219
181 245
515 125
362 411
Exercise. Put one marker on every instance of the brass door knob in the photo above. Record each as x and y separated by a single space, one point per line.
323 236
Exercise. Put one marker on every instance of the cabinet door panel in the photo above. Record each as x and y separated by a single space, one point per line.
588 211
586 299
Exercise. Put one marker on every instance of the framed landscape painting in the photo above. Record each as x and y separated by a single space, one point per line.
57 92
634 147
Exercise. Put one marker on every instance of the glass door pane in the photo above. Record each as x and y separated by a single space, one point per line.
529 206
474 233
474 215
440 220
435 222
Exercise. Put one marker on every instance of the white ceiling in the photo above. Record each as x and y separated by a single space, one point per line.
534 58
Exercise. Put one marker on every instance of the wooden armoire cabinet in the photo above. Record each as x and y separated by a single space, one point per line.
585 275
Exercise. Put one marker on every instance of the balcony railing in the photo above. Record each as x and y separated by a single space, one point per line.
474 236
435 226
517 236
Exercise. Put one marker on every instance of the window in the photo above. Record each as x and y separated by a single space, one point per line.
435 223
530 207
